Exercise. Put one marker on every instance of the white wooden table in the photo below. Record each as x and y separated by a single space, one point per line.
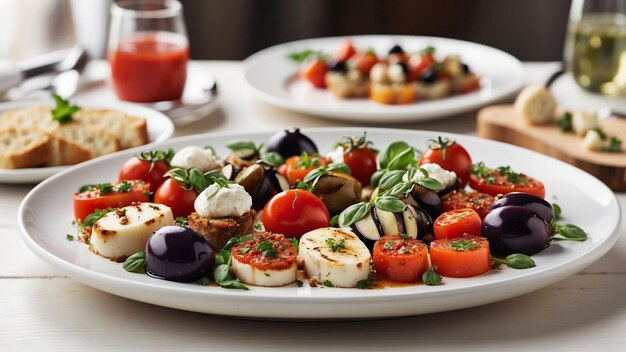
42 310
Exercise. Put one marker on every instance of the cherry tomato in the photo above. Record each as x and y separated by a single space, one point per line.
451 156
456 223
400 259
315 72
480 202
418 63
172 194
503 180
345 51
297 167
364 61
460 257
362 162
151 172
106 195
295 212
283 256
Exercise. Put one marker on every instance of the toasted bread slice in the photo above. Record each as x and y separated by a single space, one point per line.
75 143
131 130
20 148
36 117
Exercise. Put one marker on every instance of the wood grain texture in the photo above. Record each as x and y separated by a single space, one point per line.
501 123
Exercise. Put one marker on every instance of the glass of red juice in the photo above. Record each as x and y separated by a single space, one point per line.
148 50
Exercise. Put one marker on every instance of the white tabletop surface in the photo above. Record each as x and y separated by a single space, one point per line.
42 310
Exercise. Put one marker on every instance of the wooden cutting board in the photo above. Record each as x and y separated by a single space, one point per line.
501 123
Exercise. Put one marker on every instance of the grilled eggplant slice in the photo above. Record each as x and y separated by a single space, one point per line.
262 182
338 191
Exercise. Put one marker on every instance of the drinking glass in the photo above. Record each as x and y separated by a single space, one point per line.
595 48
148 50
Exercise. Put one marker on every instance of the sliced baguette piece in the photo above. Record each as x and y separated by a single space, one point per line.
75 143
131 130
21 148
35 117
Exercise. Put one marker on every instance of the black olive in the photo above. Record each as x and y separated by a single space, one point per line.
338 66
429 76
465 68
396 49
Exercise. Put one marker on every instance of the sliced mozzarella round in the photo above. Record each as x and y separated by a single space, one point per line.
126 230
342 265
251 275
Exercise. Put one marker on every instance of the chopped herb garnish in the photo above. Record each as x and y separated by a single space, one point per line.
615 146
182 220
300 56
463 245
388 245
405 236
258 227
336 245
267 249
300 283
203 281
294 243
365 283
565 122
124 187
327 283
69 237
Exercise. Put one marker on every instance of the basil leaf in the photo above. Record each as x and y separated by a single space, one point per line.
389 203
136 263
557 211
334 220
390 179
340 167
233 285
221 273
197 179
402 160
315 174
355 213
392 152
213 173
400 188
430 183
519 261
327 283
223 257
95 216
375 180
239 145
431 278
571 232
273 158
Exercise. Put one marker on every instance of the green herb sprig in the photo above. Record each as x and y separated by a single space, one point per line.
63 110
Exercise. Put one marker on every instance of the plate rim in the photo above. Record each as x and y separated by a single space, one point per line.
390 116
88 276
36 174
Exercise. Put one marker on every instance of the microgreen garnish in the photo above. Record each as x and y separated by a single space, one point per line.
63 110
431 278
327 283
336 245
136 263
463 245
365 283
267 249
152 156
565 122
181 220
515 261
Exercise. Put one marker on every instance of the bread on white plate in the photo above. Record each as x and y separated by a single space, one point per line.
21 148
75 143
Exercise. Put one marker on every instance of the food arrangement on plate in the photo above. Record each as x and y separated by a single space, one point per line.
397 78
284 214
41 136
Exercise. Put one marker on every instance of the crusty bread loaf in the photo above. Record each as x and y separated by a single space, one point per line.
21 148
91 133
74 143
131 130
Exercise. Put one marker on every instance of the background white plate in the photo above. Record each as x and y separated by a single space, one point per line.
274 79
45 217
160 128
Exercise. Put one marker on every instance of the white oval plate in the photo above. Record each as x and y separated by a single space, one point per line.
45 217
274 79
160 128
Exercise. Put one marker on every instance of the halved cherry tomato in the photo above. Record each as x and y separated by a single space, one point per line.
345 51
400 259
480 202
283 254
451 156
139 168
315 72
297 167
295 212
175 196
456 223
418 63
503 180
364 61
106 195
461 257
